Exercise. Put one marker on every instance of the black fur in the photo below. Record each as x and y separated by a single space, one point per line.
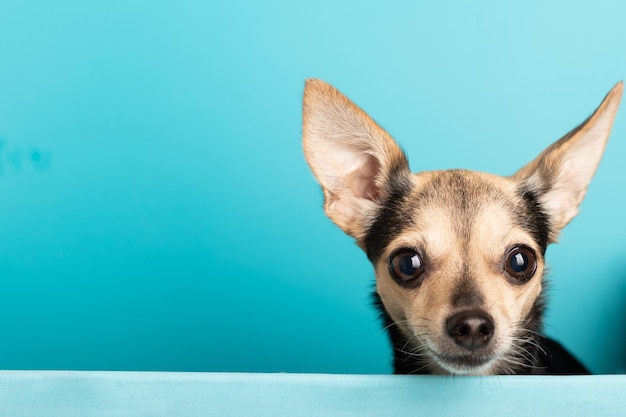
556 360
391 220
533 218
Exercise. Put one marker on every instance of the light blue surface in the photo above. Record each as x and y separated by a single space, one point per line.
84 394
156 210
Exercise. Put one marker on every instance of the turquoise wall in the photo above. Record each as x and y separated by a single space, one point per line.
156 209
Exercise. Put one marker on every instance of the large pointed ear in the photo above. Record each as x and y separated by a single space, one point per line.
354 159
560 175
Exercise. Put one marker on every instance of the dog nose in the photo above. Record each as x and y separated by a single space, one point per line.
470 329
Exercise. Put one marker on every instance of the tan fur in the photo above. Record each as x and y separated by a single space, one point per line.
568 165
350 155
464 221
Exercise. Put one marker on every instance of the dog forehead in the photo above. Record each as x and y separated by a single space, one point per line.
456 210
461 190
461 196
449 207
482 207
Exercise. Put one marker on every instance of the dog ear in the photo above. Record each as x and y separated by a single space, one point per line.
352 157
559 176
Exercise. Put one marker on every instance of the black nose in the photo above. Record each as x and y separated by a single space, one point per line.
470 329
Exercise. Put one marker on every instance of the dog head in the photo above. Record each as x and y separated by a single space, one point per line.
458 255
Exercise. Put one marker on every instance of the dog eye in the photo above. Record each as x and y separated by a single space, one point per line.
520 264
406 267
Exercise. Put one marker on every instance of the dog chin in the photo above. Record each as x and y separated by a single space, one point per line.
471 364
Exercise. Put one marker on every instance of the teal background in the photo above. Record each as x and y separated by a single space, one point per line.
156 211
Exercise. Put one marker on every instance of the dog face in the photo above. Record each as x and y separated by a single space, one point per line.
458 255
462 278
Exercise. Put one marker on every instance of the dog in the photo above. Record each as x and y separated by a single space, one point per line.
458 255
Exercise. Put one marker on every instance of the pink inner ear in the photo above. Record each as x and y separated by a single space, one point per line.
363 180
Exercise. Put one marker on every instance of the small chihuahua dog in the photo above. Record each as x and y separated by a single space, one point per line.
458 255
